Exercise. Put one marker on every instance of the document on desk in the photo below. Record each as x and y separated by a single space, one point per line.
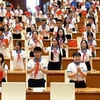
38 89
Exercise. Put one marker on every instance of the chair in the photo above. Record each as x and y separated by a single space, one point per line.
62 91
13 91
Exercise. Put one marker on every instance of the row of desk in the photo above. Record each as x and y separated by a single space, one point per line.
66 61
80 94
92 78
47 42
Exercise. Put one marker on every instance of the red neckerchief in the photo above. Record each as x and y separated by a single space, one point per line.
37 64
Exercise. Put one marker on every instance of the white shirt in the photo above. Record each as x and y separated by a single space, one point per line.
56 55
37 43
73 22
2 12
56 29
38 14
45 33
29 23
8 36
31 64
18 13
8 22
85 35
51 23
72 67
87 55
18 63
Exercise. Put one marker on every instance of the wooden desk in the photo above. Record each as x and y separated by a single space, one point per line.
22 42
92 79
79 34
71 50
7 62
97 40
55 76
16 76
46 42
80 94
66 61
96 63
75 35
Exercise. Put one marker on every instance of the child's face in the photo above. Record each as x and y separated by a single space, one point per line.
17 46
32 28
59 24
43 22
37 54
5 28
88 28
90 37
35 35
54 42
83 45
60 32
77 58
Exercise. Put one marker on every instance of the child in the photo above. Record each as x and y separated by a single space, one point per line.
55 55
17 28
34 42
3 43
7 34
37 67
77 71
86 55
44 29
62 40
18 57
88 29
91 43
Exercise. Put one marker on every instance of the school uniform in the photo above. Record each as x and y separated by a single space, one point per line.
92 43
8 21
19 13
35 43
37 76
2 14
18 59
7 35
55 63
44 29
85 35
17 32
61 42
85 56
38 16
51 24
29 22
29 36
77 79
68 27
56 29
3 49
73 22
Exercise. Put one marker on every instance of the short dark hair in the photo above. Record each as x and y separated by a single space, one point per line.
76 54
88 25
89 34
37 49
